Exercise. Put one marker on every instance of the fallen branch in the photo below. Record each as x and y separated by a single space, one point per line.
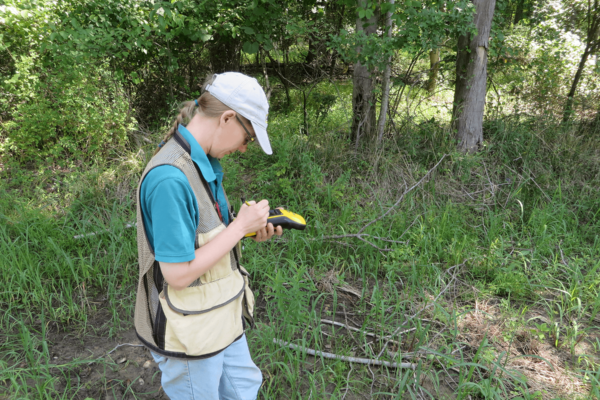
362 236
358 236
120 345
402 196
323 354
373 335
125 344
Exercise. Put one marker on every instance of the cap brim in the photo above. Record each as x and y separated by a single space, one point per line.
263 138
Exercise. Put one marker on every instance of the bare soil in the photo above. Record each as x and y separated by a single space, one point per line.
129 368
121 368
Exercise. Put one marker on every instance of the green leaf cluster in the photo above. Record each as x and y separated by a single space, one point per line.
55 104
418 26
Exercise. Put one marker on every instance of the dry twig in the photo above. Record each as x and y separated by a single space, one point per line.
397 331
362 236
323 354
351 328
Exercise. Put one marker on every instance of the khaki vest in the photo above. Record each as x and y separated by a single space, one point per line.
207 316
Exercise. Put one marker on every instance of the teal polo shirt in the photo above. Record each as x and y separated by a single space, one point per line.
169 206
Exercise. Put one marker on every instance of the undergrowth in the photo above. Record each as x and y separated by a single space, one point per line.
485 271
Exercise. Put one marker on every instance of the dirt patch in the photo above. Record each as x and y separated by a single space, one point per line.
545 366
119 368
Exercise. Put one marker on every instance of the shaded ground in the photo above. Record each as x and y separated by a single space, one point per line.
118 368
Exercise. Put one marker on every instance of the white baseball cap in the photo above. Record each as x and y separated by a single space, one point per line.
244 95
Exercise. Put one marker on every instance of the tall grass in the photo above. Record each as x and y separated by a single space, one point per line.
513 228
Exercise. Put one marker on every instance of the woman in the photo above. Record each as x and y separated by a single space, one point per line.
193 299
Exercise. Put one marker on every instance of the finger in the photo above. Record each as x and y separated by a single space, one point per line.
270 230
264 203
279 231
260 235
251 202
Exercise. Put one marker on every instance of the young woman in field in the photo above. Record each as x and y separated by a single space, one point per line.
193 299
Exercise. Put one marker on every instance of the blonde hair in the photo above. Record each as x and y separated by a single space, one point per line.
208 106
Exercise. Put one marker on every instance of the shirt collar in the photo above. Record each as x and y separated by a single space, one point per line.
206 163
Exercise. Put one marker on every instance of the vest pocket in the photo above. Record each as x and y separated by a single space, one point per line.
203 319
206 298
202 334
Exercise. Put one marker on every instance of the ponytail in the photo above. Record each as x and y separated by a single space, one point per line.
186 113
208 106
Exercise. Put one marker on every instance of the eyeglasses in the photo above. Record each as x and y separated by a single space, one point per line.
249 137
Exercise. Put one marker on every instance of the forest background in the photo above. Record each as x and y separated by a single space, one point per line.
459 240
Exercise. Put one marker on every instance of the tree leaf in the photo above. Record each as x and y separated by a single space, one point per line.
250 47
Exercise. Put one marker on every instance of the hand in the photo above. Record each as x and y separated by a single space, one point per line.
253 218
267 233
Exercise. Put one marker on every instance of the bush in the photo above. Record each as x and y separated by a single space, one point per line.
80 112
55 104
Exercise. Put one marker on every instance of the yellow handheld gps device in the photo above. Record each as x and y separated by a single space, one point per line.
284 218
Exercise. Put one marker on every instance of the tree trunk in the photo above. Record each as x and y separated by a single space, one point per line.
363 101
519 12
471 77
434 68
385 97
311 55
224 53
265 73
569 106
592 44
462 60
282 78
338 28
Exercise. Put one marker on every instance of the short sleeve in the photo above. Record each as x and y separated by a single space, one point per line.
170 213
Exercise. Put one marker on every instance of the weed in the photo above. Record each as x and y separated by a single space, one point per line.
485 272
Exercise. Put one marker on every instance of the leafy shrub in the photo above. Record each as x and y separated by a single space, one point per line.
54 105
79 111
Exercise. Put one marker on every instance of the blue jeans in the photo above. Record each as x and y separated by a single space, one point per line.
230 375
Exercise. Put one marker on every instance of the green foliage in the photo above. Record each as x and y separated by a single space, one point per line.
80 113
419 27
534 63
323 103
510 255
60 106
513 228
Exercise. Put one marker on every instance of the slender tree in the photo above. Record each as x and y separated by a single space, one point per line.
434 68
385 97
471 76
591 29
363 100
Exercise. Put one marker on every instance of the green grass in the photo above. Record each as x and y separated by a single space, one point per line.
508 236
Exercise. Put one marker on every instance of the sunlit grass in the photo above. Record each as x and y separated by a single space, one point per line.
508 236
